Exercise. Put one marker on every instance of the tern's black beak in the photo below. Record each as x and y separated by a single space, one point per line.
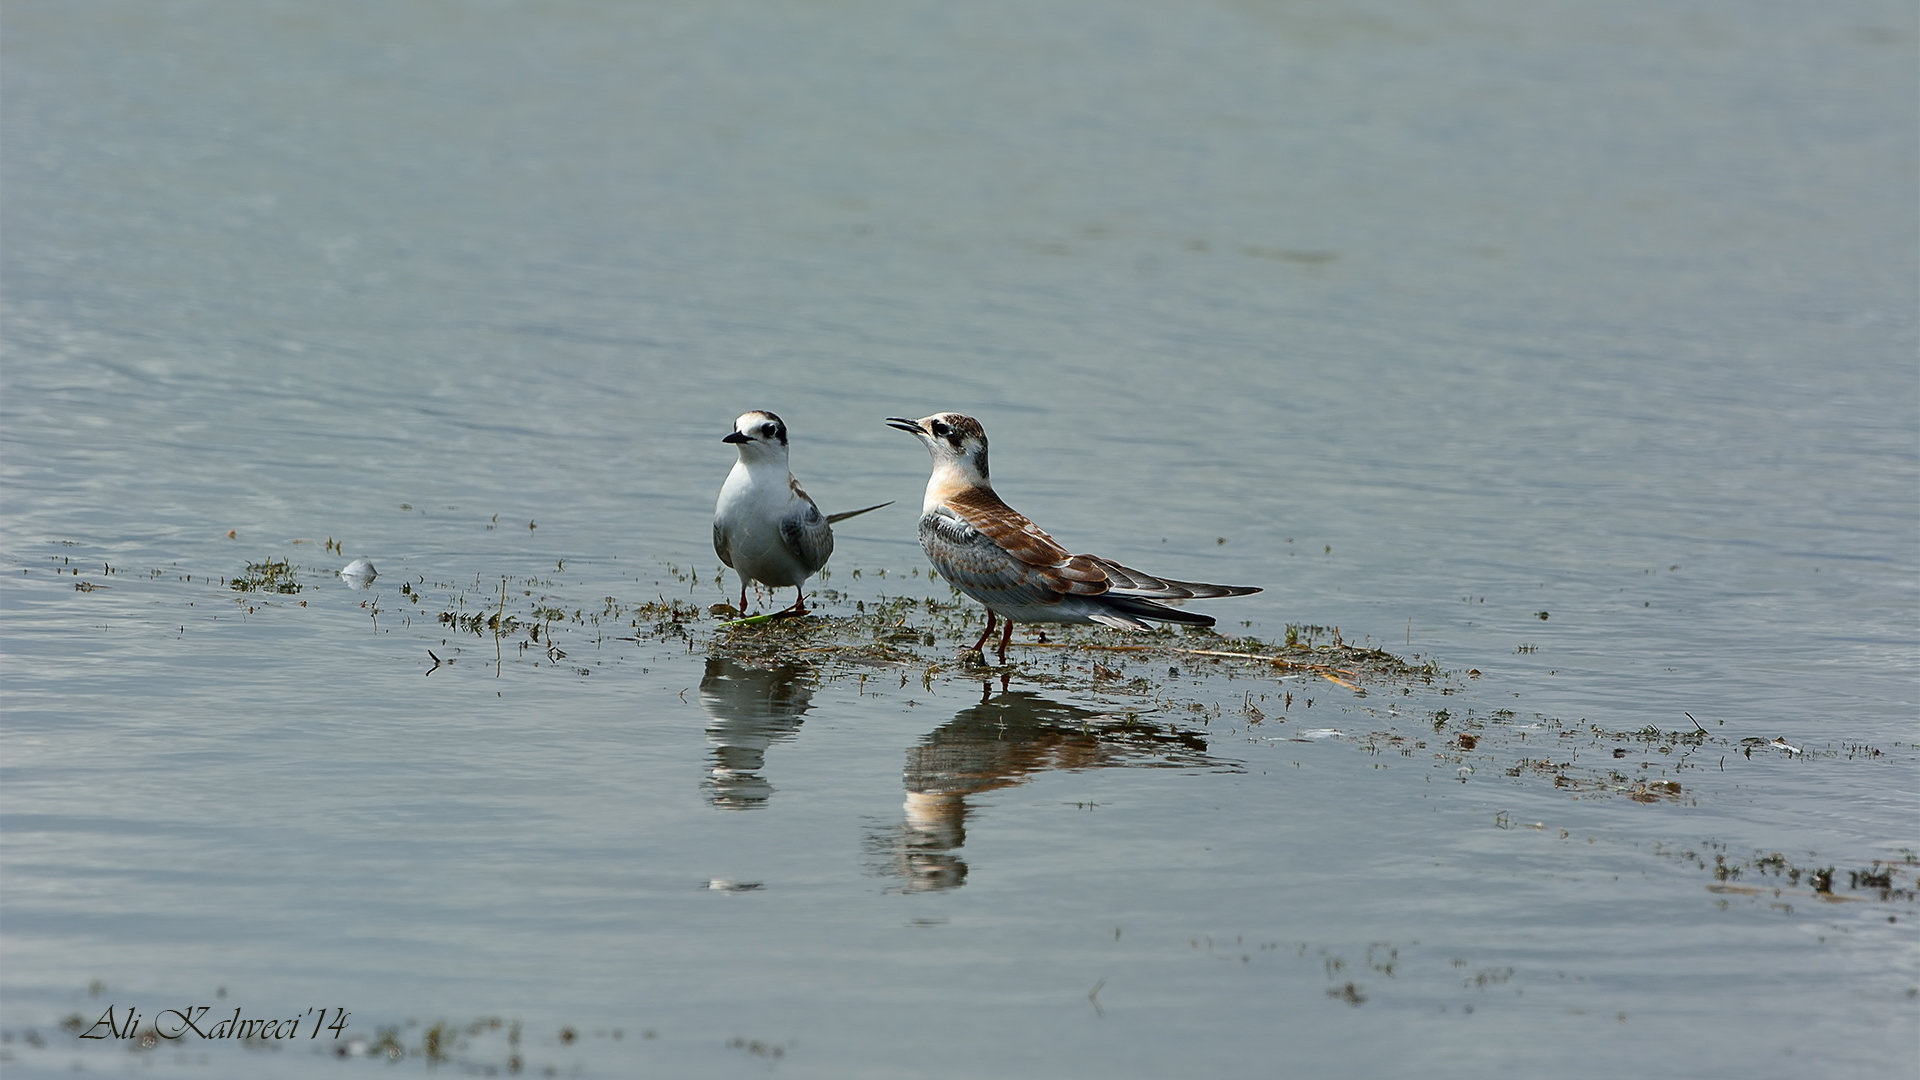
737 437
904 424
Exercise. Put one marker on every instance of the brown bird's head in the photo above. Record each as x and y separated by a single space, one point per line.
958 444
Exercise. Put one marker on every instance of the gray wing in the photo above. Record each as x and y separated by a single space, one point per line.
808 535
1126 581
720 545
979 567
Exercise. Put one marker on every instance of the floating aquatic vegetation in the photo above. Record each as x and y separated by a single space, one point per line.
273 575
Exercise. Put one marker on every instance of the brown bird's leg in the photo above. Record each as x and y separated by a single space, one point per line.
985 634
1005 637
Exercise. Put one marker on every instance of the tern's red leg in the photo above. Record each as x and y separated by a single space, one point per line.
1006 636
987 633
743 596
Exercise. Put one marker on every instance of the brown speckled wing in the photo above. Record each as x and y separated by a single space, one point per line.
979 567
1061 570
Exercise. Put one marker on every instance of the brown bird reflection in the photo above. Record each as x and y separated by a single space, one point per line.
749 709
999 743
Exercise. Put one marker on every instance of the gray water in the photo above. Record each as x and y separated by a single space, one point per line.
1427 318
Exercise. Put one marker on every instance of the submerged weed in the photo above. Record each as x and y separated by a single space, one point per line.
1773 873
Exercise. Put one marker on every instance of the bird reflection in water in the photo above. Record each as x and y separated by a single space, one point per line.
748 710
998 743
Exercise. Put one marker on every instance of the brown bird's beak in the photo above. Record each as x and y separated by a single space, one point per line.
736 437
904 424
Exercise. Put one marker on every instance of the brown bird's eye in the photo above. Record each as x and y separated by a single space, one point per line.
767 430
940 428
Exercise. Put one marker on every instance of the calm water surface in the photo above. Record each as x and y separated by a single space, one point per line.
1570 345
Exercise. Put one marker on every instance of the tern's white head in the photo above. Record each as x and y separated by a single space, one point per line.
759 436
958 445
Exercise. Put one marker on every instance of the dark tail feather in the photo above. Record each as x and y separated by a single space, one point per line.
1147 609
831 518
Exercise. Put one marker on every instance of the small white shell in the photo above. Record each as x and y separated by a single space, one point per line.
359 573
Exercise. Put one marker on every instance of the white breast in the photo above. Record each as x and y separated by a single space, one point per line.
753 502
